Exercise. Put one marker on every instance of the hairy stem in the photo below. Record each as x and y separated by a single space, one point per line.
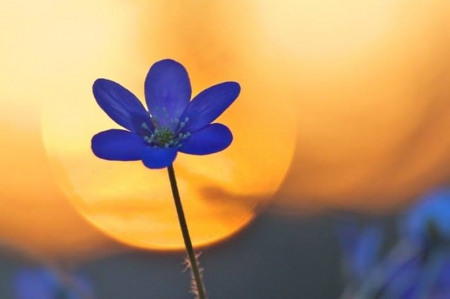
187 239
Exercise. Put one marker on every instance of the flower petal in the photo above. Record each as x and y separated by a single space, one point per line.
367 250
29 284
43 283
118 145
428 219
209 105
119 103
212 139
167 91
159 157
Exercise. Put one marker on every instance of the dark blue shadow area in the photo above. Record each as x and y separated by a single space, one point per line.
275 257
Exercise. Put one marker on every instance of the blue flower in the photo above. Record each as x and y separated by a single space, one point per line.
428 221
172 123
360 246
419 265
413 275
45 284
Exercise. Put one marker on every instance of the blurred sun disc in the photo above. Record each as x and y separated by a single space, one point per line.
221 193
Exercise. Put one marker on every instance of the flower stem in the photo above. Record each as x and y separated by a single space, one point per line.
185 232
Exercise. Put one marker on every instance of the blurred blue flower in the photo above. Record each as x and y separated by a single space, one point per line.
416 276
360 246
401 274
418 267
44 284
172 123
428 221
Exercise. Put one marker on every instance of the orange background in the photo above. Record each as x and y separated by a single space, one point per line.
350 101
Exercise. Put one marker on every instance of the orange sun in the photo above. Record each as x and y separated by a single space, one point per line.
221 193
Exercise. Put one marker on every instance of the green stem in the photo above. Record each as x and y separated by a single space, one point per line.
185 232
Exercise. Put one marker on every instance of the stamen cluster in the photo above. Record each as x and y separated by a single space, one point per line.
165 136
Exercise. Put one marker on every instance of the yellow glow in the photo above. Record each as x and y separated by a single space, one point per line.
323 31
372 79
35 216
362 87
134 204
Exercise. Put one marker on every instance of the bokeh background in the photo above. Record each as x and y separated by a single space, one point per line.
345 107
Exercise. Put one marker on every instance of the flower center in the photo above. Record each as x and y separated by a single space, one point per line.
165 137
